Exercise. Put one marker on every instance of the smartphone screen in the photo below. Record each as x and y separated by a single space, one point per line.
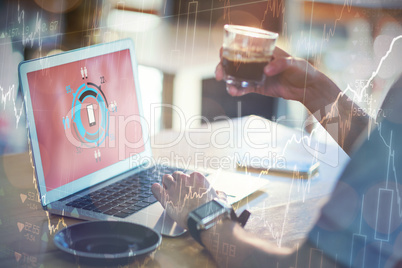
91 115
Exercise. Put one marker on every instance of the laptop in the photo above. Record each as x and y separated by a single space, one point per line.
90 142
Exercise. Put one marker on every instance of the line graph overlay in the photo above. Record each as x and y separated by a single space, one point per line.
9 96
51 227
333 112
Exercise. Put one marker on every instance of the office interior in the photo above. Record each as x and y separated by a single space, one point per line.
177 45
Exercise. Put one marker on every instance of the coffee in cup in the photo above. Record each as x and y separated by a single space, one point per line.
246 51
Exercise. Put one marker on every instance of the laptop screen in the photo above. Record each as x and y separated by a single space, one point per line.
86 116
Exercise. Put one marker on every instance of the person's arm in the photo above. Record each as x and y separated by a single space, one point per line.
232 246
228 243
295 79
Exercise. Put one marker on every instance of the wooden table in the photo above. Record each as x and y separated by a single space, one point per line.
282 212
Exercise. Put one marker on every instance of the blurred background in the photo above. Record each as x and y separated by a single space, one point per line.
177 45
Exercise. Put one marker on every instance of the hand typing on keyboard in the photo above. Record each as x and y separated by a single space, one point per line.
180 194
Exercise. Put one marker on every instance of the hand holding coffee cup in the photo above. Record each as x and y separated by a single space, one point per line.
246 51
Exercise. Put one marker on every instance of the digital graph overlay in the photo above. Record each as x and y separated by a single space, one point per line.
30 36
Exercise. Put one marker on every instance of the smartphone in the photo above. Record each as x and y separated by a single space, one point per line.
298 170
91 115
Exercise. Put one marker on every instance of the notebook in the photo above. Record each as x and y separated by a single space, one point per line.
90 142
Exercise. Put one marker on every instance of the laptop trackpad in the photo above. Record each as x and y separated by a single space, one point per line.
168 227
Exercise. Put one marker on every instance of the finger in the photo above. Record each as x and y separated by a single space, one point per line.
278 65
179 176
168 181
222 195
176 175
219 72
199 180
159 193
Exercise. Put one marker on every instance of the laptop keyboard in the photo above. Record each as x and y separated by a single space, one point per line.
127 196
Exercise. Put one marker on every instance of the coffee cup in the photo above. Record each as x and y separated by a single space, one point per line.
246 51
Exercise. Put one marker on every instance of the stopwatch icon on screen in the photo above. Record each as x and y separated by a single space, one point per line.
90 114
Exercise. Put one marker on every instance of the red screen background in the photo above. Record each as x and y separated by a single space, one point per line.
62 161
